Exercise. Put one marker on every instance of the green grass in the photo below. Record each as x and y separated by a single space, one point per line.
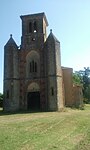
69 130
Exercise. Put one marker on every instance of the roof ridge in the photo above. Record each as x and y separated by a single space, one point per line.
51 35
11 41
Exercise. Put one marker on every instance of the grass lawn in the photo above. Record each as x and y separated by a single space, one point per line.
69 130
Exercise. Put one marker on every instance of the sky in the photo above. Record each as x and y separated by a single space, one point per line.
68 19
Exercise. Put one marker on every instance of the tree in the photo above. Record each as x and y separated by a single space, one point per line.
82 77
86 84
77 79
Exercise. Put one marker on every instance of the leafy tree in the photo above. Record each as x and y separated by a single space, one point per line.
77 79
82 77
86 84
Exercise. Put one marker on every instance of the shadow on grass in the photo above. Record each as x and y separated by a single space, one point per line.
65 109
3 113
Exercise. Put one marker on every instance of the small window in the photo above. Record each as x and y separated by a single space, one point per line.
35 67
30 67
7 94
52 91
30 27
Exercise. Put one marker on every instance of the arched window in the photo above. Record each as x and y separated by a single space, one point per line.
33 66
30 27
35 26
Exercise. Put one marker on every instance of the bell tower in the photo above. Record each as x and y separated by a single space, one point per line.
31 60
33 31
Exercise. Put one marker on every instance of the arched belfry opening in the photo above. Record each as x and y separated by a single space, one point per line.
35 26
30 27
33 97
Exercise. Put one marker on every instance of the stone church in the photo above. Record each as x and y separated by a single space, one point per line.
33 76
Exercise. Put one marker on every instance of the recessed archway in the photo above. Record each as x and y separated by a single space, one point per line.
33 97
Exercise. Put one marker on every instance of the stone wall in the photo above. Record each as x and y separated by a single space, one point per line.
77 95
68 85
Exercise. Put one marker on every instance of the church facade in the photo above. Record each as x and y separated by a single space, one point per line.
33 76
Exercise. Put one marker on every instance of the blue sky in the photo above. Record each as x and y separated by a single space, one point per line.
68 19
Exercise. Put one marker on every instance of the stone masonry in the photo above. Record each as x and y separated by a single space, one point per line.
33 77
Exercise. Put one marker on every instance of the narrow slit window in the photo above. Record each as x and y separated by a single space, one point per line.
30 67
35 67
52 91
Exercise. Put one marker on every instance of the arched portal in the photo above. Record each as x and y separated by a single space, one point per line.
33 97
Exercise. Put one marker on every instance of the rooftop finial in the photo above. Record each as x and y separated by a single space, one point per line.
10 35
50 30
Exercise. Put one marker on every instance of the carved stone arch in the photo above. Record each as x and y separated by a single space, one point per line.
32 53
33 87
